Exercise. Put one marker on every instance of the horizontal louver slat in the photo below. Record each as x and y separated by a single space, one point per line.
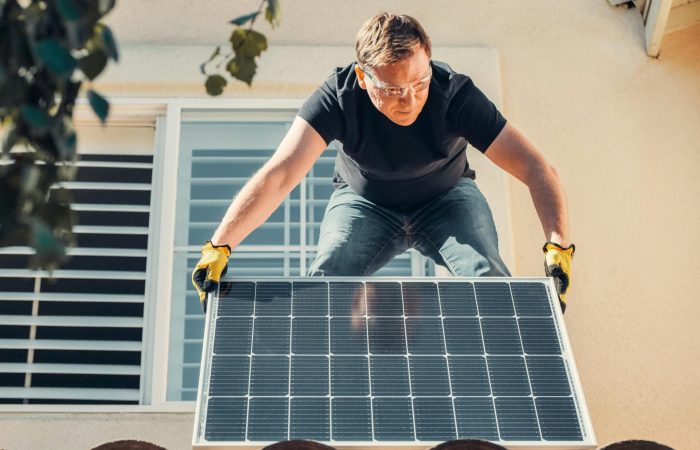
95 369
72 393
78 251
91 186
73 321
72 297
82 274
67 344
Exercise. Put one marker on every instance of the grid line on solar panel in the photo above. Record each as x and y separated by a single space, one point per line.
225 379
273 299
225 417
428 376
539 336
309 299
348 335
309 418
483 340
268 419
309 335
463 336
548 375
233 335
434 419
469 376
236 299
408 359
448 362
457 299
420 299
393 418
386 336
494 299
271 335
379 299
530 299
517 419
347 299
476 418
501 336
309 375
250 370
558 418
351 417
425 336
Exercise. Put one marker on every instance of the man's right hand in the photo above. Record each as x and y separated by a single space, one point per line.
209 270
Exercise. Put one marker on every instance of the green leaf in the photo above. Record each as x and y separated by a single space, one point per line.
248 42
105 6
273 13
35 118
49 252
99 104
215 84
57 58
68 9
93 63
107 42
242 68
242 20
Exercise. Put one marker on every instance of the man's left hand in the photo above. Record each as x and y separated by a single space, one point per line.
557 264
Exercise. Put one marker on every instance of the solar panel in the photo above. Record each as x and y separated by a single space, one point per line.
394 363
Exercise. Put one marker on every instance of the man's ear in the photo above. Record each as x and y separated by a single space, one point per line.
360 77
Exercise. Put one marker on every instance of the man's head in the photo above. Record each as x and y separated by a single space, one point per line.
393 65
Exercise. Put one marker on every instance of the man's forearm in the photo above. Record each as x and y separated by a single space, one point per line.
258 199
550 203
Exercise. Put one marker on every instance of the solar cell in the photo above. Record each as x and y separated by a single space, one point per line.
412 361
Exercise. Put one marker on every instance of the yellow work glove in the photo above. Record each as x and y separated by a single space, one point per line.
209 270
557 264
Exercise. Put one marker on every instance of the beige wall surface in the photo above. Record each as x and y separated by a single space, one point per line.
623 131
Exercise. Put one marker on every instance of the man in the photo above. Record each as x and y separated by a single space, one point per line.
402 178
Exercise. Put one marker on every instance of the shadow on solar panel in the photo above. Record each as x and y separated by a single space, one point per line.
389 363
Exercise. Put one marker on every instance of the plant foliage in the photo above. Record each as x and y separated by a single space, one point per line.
246 45
48 49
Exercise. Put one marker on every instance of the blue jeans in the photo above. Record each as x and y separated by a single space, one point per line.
455 230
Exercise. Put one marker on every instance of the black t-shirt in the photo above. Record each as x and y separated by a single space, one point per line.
403 166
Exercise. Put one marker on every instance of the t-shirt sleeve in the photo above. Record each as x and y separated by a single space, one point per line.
477 117
322 111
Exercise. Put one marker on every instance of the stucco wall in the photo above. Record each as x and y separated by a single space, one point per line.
623 131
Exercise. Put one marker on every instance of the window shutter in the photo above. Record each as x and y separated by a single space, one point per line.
75 336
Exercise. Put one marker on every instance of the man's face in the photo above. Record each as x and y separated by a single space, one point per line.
399 90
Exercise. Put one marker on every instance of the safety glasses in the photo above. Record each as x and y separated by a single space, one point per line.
399 90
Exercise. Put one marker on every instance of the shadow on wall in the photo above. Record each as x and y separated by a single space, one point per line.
464 444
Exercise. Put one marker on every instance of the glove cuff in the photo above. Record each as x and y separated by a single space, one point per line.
549 245
225 247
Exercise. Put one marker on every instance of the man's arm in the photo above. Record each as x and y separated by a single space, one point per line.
264 192
514 154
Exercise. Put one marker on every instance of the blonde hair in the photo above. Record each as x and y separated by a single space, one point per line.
387 38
